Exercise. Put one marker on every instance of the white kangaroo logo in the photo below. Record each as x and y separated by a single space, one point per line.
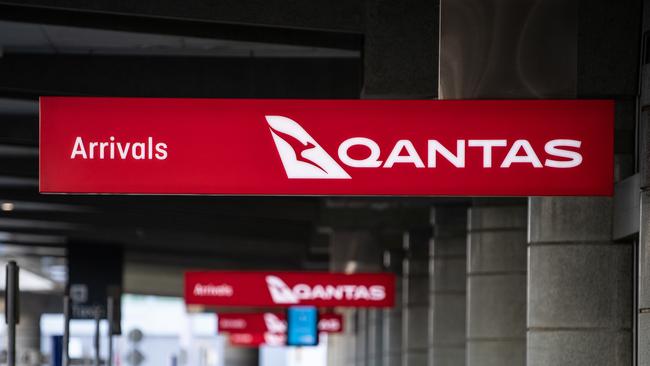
280 292
302 157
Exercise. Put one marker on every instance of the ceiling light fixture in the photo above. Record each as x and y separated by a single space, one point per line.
7 206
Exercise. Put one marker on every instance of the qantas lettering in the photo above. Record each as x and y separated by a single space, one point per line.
347 292
520 151
283 294
300 152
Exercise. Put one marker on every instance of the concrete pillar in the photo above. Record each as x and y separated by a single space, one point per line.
375 332
389 40
643 311
496 286
392 318
342 347
580 285
241 356
361 337
643 314
28 330
590 51
349 348
448 287
28 337
415 320
353 251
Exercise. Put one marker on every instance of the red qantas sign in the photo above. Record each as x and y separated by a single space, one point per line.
326 147
272 323
257 339
289 288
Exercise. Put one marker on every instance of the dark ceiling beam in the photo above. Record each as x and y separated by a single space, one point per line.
19 166
152 229
161 241
31 239
13 182
334 24
192 242
21 130
201 233
87 75
141 222
388 218
278 209
210 260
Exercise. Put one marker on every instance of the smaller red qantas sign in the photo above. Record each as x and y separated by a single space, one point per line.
257 339
326 147
285 289
275 323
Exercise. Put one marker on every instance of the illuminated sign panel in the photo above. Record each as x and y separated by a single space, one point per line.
257 339
272 323
326 147
285 289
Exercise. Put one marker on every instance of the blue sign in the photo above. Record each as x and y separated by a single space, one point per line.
302 326
56 356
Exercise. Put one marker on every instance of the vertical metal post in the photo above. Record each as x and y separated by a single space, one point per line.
66 330
98 317
12 314
110 318
635 301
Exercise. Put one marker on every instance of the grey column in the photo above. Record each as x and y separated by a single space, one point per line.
241 356
353 251
580 285
643 312
375 333
28 336
400 60
578 282
415 320
341 347
28 330
392 318
448 286
496 286
643 315
361 339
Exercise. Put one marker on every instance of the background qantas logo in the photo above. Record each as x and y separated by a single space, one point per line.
280 292
304 158
274 324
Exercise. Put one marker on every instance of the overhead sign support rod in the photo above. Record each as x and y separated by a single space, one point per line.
12 310
98 317
66 330
109 314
